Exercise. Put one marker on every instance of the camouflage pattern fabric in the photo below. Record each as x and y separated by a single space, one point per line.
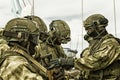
59 34
55 51
98 19
22 36
102 60
16 67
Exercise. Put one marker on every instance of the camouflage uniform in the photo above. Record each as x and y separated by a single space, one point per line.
14 65
103 60
59 34
42 34
54 51
100 61
17 67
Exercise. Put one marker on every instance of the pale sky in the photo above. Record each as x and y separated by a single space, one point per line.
71 12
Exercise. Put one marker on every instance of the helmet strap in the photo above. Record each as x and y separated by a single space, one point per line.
101 34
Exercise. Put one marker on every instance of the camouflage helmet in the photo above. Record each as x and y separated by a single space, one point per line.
41 24
60 30
21 29
96 20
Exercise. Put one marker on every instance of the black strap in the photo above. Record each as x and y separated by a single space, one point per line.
10 34
19 35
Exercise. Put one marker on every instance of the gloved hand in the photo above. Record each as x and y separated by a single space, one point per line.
61 62
54 64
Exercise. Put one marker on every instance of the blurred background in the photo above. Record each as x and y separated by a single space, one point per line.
74 12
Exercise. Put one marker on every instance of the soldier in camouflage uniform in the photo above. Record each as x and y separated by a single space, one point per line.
102 61
51 48
16 62
43 34
103 54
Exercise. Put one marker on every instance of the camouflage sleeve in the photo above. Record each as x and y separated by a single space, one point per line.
15 68
103 57
84 53
61 51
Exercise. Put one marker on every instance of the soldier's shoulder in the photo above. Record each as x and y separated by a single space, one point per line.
109 37
3 41
3 47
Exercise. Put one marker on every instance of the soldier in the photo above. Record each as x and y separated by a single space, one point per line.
39 22
50 49
43 34
102 59
16 62
42 27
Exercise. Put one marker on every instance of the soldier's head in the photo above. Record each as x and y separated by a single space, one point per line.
95 24
59 31
41 24
23 32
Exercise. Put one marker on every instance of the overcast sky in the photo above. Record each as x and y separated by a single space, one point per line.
71 12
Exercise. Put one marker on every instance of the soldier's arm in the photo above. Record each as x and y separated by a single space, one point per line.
103 57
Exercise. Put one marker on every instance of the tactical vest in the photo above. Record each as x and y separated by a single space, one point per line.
111 72
35 66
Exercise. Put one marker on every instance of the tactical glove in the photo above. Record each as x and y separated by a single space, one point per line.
61 62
